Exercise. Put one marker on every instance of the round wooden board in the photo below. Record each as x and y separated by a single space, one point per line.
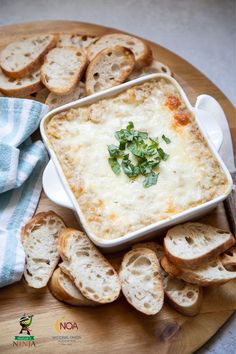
117 327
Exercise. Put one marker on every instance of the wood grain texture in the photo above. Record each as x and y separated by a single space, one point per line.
117 327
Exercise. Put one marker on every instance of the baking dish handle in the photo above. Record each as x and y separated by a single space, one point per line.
209 124
53 187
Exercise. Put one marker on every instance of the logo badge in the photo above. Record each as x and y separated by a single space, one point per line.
67 331
24 337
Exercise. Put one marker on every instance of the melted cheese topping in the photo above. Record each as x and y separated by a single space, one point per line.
116 205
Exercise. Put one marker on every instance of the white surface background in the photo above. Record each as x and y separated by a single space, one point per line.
201 31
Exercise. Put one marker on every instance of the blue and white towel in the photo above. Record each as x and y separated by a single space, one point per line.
21 166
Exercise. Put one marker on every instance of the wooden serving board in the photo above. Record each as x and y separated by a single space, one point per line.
117 327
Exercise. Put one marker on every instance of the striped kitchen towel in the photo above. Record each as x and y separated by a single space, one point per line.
21 166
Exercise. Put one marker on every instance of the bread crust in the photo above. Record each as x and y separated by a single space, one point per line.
34 65
204 258
63 249
61 294
22 92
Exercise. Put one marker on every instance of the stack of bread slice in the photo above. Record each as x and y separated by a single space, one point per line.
59 68
85 276
197 253
20 64
185 297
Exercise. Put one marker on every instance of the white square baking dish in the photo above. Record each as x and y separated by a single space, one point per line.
154 229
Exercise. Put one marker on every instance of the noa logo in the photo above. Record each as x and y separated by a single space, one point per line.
64 325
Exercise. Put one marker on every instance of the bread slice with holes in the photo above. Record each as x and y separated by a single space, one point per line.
40 239
26 55
141 280
62 69
109 68
186 298
63 288
192 243
228 259
76 40
20 87
142 52
156 67
54 101
211 273
93 275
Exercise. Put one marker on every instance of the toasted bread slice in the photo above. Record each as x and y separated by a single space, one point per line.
54 101
63 288
109 68
192 243
154 67
40 239
62 69
76 40
211 273
20 87
92 273
186 298
141 280
142 52
228 259
25 56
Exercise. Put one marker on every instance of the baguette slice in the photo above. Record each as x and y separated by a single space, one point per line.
192 243
109 68
141 280
76 40
154 67
20 87
22 57
211 273
140 49
54 101
62 69
186 298
40 239
92 273
63 288
228 259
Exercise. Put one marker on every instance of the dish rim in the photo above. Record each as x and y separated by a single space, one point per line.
176 218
